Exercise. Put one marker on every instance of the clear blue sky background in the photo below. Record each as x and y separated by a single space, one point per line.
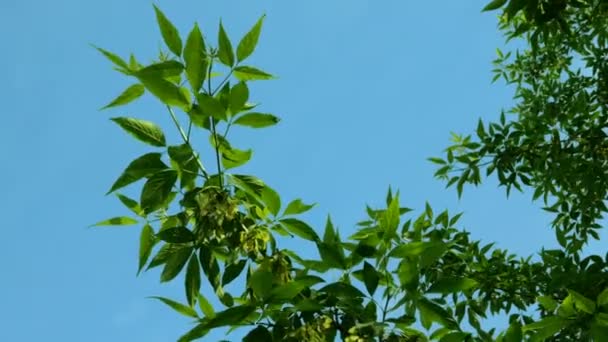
367 91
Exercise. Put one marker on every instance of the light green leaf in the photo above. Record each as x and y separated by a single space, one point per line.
452 284
413 249
131 204
296 207
142 130
300 229
272 200
602 298
249 41
176 235
291 289
179 307
167 92
166 69
239 94
514 333
157 189
225 52
257 120
370 278
210 106
552 322
193 280
332 255
233 157
147 240
199 331
139 168
194 56
389 221
582 303
261 283
119 62
169 32
175 264
547 303
116 221
205 306
248 73
230 316
128 95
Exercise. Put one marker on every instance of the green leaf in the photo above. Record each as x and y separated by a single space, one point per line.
167 92
432 254
157 189
291 289
330 236
370 278
342 290
113 58
195 333
447 285
494 5
602 298
234 157
435 313
232 271
257 120
142 130
547 322
457 336
210 267
205 306
300 229
248 73
179 307
175 264
163 255
166 70
514 333
139 168
332 255
176 235
389 220
261 282
249 41
116 221
194 56
297 207
582 303
225 52
131 204
169 32
210 106
193 280
547 303
239 94
258 334
185 163
147 240
130 94
230 316
413 249
271 199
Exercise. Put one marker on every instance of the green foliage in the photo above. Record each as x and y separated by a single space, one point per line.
398 272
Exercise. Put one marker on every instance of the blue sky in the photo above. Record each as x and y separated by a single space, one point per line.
366 90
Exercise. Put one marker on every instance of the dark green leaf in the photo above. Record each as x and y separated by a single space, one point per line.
210 267
330 236
193 280
225 52
582 303
257 120
300 229
261 282
169 32
210 106
494 5
602 298
157 189
139 168
297 207
332 255
451 285
514 333
205 306
116 221
249 41
370 278
389 220
231 316
147 240
194 56
435 313
175 264
247 73
185 163
176 235
258 334
547 303
165 252
342 290
180 308
166 70
128 95
272 200
232 271
142 130
195 333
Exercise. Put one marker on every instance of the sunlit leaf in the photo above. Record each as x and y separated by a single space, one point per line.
116 221
257 120
179 307
147 240
142 130
225 52
297 207
248 73
175 263
157 189
130 94
193 280
169 32
194 56
299 228
249 41
139 168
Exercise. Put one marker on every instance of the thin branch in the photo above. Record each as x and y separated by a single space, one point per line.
186 141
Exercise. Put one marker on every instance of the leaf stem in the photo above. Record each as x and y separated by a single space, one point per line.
187 141
214 130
